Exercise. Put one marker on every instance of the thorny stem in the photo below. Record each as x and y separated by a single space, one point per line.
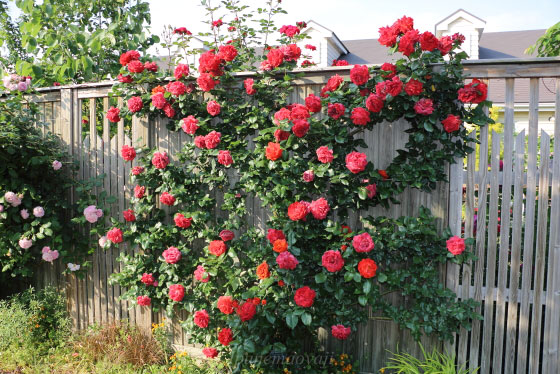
267 26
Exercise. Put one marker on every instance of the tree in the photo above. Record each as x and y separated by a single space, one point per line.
73 41
547 45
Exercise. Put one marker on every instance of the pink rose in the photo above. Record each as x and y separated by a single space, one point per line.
25 243
38 212
340 332
455 245
308 176
24 213
324 154
176 292
226 235
286 260
56 165
356 162
92 214
319 208
201 275
363 242
143 301
171 255
424 106
49 255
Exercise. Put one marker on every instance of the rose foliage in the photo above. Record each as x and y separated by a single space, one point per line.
257 289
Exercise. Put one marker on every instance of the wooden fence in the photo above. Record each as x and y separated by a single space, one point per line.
513 212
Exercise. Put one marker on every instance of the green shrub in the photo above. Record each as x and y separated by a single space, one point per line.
431 363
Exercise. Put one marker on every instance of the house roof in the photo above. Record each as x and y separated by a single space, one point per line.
508 44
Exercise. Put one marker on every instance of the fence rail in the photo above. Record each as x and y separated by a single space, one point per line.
513 213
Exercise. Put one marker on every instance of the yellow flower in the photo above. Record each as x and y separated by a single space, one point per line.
382 370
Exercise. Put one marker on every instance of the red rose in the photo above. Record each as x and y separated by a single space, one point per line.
273 151
388 36
169 111
224 158
313 103
176 88
310 47
201 275
137 170
213 108
148 279
190 125
299 112
217 247
158 100
225 336
210 63
297 211
363 242
281 135
371 190
275 57
365 92
225 304
129 56
181 221
139 191
408 41
128 153
227 52
217 23
391 87
324 154
428 42
206 82
413 87
455 245
124 78
167 199
403 24
367 268
340 332
334 82
176 292
388 70
474 92
263 271
210 352
308 176
226 235
359 75
113 115
319 208
181 71
129 216
290 31
172 255
212 139
356 162
115 235
199 142
160 160
300 127
332 261
360 116
201 318
248 84
451 123
134 104
291 52
273 235
286 260
339 63
374 103
424 106
246 311
135 66
445 44
304 297
283 114
143 301
151 66
335 110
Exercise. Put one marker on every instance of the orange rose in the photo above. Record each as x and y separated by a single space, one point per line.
262 271
280 245
367 268
273 151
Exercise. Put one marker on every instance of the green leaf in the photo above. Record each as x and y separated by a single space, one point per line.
362 300
291 320
381 278
320 278
367 286
306 319
249 346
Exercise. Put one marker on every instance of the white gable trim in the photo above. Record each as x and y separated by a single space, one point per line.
329 35
443 25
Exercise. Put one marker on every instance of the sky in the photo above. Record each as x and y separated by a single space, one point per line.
360 19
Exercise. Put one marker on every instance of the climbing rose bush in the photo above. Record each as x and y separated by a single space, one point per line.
261 288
